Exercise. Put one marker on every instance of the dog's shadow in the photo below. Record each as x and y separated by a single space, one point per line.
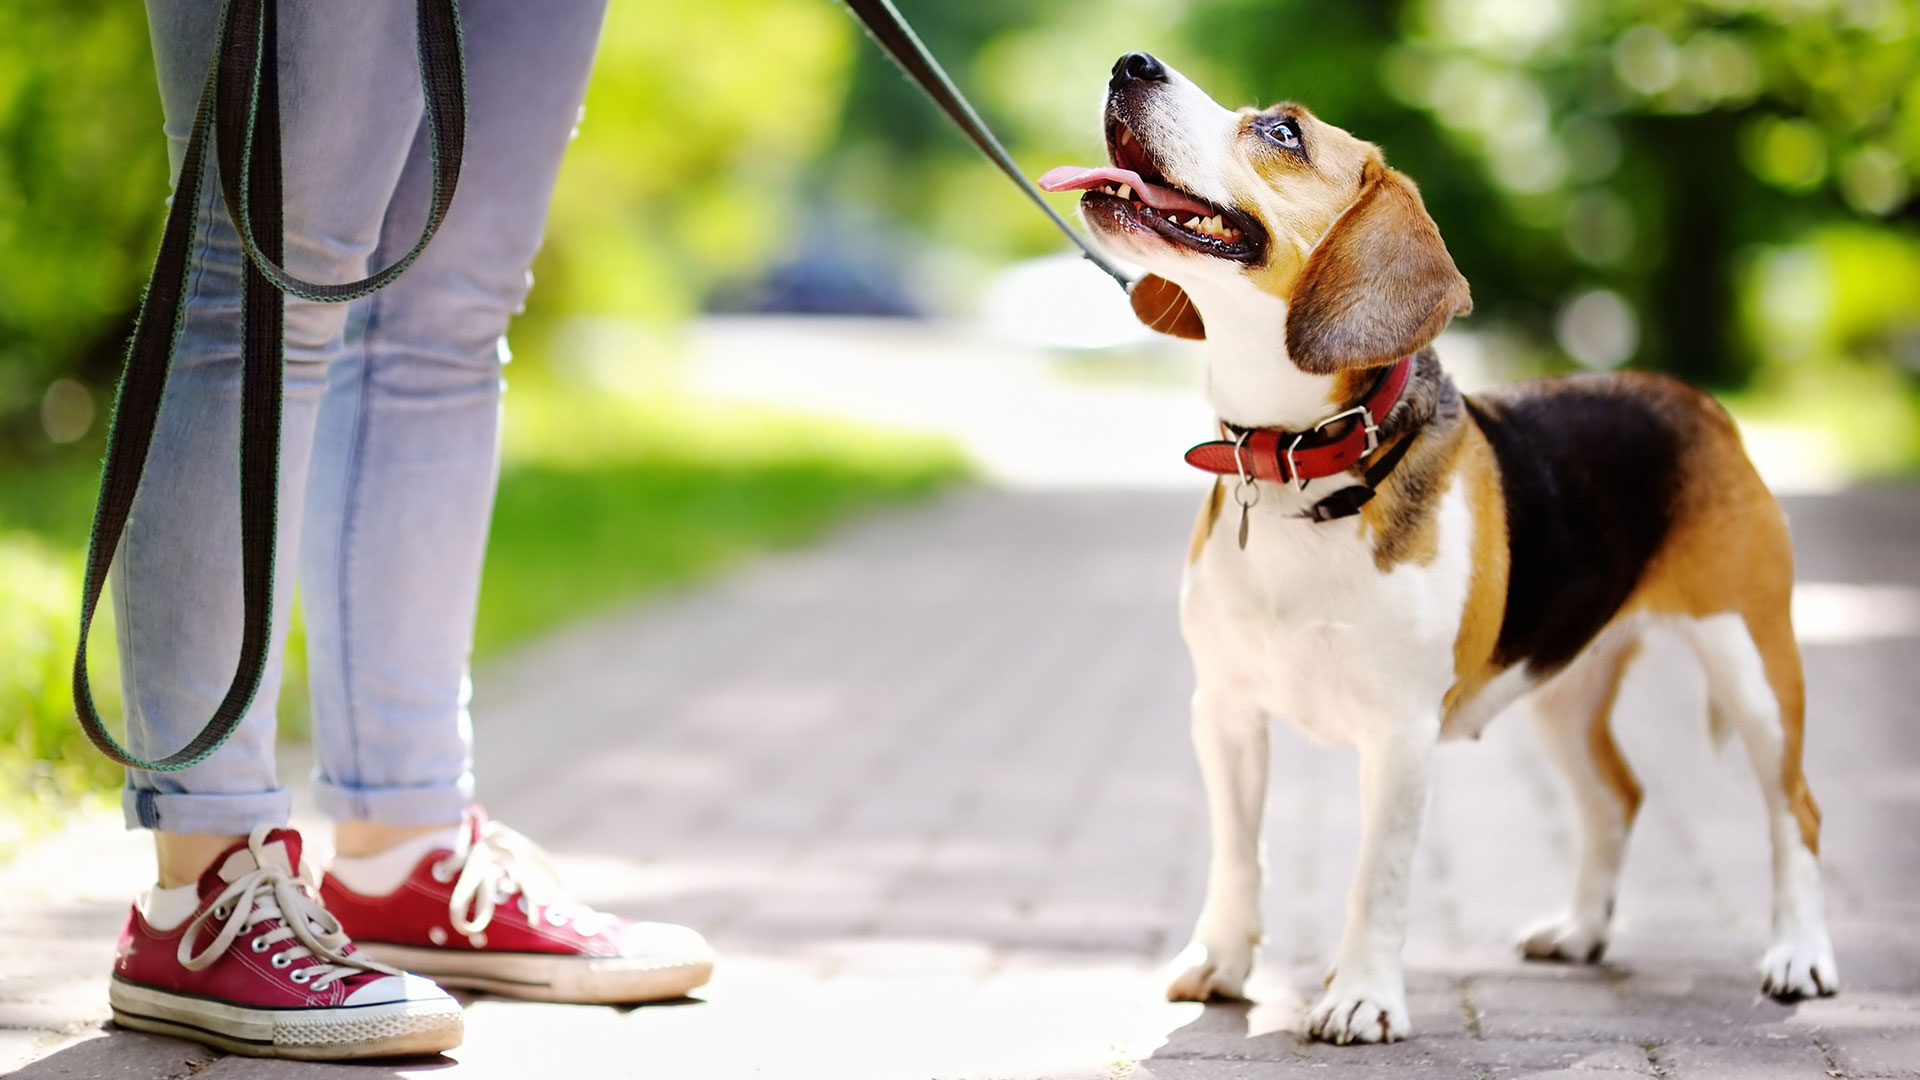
469 998
1268 1026
1565 1016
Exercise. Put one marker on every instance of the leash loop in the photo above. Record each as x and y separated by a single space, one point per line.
890 31
239 110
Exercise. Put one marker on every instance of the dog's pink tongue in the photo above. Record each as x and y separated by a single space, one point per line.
1080 178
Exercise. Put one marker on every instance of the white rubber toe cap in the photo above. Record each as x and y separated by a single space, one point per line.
397 988
666 943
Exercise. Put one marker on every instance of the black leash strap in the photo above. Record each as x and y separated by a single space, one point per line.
885 24
1348 500
240 110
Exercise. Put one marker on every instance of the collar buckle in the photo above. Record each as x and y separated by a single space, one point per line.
1367 424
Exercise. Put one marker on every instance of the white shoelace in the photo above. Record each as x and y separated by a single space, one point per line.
500 865
265 894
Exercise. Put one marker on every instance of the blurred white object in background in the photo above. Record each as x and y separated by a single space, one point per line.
1060 302
1841 613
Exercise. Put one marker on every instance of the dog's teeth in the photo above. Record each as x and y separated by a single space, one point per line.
1108 190
1193 223
1126 192
1126 136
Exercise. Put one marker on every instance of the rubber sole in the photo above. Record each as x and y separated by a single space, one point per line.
339 1033
577 980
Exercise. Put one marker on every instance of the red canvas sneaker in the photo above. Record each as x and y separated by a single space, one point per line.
489 914
262 969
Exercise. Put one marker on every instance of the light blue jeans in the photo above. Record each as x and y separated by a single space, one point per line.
390 443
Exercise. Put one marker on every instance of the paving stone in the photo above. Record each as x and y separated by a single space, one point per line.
1268 1070
1876 1053
1694 1026
114 1054
1420 1052
1520 994
1786 1059
929 788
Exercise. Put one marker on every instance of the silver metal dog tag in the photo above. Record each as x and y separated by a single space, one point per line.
1246 493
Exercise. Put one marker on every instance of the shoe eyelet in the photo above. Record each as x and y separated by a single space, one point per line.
441 874
299 975
260 944
221 911
280 960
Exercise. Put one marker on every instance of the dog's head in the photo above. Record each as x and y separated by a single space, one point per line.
1276 201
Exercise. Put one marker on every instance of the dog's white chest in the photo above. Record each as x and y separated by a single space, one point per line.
1306 624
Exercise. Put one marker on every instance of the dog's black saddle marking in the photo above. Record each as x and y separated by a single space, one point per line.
1591 475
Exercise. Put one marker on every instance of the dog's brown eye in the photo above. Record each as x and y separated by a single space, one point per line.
1283 133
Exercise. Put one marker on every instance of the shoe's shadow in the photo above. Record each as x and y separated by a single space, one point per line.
469 998
136 1055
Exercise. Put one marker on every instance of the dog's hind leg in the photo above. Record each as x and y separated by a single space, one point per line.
1230 736
1754 680
1572 714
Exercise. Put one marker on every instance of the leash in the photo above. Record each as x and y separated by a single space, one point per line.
240 110
891 32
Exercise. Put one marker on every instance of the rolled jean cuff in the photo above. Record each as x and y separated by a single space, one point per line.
224 815
428 804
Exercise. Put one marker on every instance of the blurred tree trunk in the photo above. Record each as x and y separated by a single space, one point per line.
1690 306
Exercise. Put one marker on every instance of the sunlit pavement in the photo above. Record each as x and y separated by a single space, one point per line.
928 788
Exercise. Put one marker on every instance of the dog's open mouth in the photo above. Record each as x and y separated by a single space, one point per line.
1134 190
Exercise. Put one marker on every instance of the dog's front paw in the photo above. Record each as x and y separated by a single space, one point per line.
1368 1011
1203 971
1566 938
1800 967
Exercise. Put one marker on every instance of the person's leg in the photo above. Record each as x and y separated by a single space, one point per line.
403 479
232 948
351 105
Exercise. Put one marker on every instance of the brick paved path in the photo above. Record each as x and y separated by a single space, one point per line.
928 787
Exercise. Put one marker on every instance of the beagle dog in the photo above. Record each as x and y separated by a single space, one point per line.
1389 563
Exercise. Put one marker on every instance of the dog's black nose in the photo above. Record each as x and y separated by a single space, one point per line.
1138 67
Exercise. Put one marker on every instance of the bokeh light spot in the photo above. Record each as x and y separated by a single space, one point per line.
66 411
1787 153
1598 329
1645 60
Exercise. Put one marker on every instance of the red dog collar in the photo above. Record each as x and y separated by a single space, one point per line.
1287 456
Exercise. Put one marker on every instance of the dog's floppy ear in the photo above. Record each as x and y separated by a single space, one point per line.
1165 307
1379 287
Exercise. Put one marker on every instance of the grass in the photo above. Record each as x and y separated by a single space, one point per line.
603 498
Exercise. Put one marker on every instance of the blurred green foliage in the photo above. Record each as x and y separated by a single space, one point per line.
700 116
1621 180
82 178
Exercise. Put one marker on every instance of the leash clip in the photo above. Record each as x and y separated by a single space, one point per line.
1367 424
